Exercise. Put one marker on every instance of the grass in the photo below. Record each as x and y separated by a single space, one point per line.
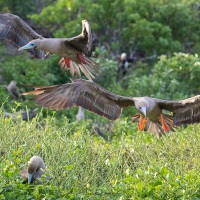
133 165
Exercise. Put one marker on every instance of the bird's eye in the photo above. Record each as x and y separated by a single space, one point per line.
140 107
32 44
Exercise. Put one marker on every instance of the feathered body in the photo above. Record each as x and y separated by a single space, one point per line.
94 98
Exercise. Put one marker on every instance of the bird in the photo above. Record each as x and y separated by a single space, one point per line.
13 90
25 115
75 51
36 169
96 99
80 115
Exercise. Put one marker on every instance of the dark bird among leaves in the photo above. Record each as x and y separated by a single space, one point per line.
94 98
75 51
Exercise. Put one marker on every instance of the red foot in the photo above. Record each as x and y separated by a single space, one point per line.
67 61
141 123
81 58
165 126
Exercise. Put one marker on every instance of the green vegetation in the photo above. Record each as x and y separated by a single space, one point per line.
163 39
132 166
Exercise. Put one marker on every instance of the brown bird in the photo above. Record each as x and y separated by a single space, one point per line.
25 115
94 98
13 90
36 169
75 51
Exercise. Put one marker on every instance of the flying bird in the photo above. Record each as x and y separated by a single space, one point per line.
75 51
94 98
36 169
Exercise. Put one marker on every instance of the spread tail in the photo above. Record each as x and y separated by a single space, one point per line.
155 127
87 66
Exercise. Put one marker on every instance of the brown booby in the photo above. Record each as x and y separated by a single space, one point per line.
25 115
75 51
13 90
94 98
36 169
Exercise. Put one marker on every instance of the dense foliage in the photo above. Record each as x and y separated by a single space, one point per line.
83 166
162 38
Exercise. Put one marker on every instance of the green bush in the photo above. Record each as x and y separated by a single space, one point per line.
175 77
134 165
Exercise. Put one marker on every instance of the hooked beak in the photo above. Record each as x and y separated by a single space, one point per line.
30 176
27 46
144 110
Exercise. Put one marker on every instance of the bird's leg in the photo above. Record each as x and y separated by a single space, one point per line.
81 58
165 126
142 123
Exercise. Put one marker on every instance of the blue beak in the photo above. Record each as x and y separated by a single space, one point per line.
27 46
30 176
144 110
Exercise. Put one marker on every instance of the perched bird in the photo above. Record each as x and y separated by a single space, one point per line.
80 115
36 169
13 90
25 115
94 98
104 130
75 51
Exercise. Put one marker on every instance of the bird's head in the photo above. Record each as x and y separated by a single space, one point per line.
142 107
34 168
31 45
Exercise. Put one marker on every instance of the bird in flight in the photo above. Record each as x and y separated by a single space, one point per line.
96 99
75 51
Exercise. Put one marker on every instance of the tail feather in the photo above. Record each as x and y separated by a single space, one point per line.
76 69
87 66
92 64
155 127
87 73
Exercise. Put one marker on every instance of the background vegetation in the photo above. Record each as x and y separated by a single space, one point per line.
162 38
83 166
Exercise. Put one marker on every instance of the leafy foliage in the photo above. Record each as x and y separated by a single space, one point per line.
173 78
130 165
83 166
134 26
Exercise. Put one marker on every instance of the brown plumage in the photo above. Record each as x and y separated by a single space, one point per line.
25 115
94 98
35 170
14 91
75 51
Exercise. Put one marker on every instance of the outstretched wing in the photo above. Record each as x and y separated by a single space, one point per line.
84 93
82 42
16 31
185 111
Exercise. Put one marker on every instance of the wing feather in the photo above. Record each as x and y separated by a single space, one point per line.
185 111
16 31
84 93
82 42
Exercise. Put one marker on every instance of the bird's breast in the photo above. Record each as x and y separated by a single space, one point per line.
154 113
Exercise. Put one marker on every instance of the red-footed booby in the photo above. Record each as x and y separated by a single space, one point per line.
36 169
94 98
75 51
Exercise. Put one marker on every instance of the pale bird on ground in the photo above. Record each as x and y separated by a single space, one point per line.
36 169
